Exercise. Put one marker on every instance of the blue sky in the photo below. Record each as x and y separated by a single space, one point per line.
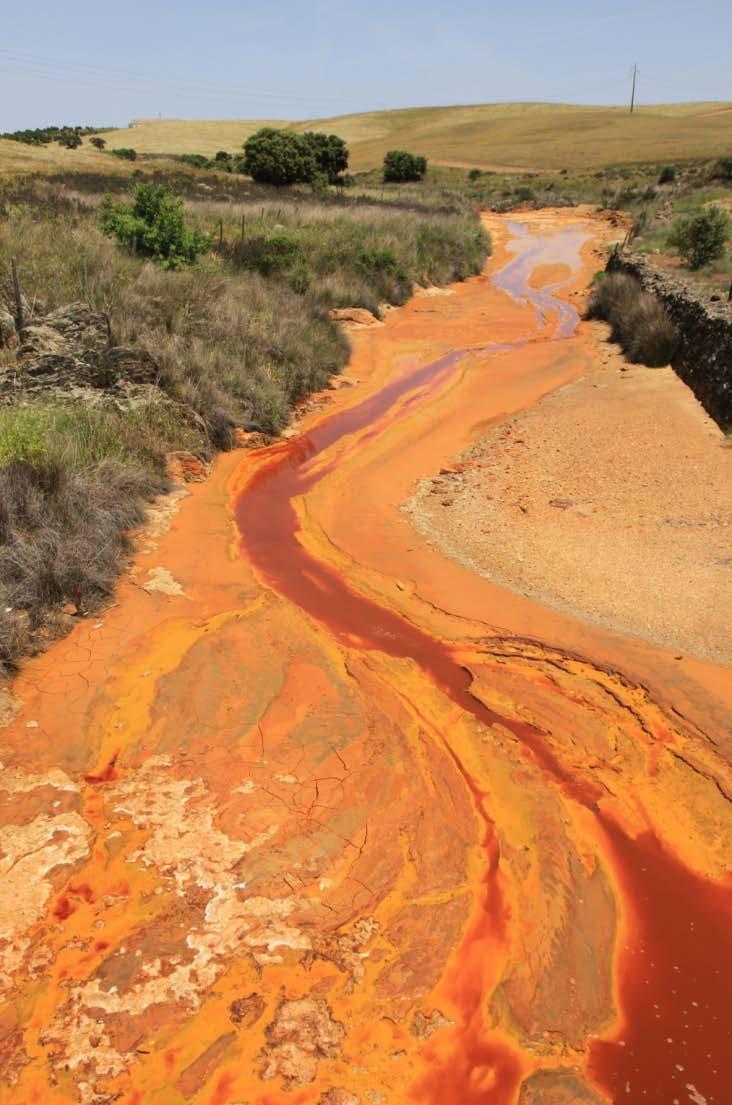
90 62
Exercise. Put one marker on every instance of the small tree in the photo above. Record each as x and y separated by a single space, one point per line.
701 238
279 157
400 167
475 174
98 142
222 155
154 226
71 141
667 175
125 153
330 153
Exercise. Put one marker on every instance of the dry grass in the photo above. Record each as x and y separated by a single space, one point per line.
638 320
236 342
63 534
489 136
206 136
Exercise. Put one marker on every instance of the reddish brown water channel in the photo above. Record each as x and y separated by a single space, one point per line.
674 980
326 818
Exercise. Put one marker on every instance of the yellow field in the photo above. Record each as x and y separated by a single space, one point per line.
551 136
488 136
205 136
17 157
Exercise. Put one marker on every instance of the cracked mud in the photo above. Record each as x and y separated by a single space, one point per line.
315 816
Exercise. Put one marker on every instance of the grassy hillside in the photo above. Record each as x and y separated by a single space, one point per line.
205 136
489 136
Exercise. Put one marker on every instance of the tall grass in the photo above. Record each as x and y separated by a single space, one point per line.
638 320
238 340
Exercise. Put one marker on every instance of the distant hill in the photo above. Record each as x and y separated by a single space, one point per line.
501 136
488 136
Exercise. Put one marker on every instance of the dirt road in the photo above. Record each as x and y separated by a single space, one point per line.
317 815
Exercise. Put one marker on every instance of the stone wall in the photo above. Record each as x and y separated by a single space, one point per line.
704 356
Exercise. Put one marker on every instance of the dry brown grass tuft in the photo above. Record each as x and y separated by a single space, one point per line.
638 320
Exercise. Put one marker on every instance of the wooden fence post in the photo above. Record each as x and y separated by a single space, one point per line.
19 321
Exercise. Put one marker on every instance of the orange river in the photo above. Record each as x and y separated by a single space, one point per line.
313 815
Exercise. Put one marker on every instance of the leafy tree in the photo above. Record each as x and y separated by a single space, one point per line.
71 141
475 174
701 238
330 152
279 157
400 166
125 153
43 135
667 175
98 142
222 155
154 225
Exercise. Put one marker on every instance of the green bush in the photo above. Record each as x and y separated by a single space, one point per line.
267 254
125 154
154 225
475 174
401 167
70 141
525 194
330 153
98 142
638 320
723 169
667 175
279 157
196 160
375 261
701 238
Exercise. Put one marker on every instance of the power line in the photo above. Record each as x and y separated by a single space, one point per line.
47 69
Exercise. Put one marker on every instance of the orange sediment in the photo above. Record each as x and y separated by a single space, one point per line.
342 821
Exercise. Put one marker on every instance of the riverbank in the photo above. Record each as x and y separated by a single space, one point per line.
608 500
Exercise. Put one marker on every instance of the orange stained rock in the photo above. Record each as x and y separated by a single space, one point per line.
336 821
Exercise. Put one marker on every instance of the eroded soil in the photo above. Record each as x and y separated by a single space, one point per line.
610 499
328 818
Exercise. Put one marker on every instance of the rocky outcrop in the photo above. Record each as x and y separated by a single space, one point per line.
70 354
703 358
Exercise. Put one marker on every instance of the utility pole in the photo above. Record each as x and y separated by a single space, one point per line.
632 95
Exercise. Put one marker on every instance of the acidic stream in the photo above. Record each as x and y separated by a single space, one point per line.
674 985
322 817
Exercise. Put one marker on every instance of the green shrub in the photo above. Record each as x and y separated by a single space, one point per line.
374 261
638 320
475 174
723 169
125 153
279 157
154 225
222 155
667 175
525 194
701 238
267 254
196 160
401 167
